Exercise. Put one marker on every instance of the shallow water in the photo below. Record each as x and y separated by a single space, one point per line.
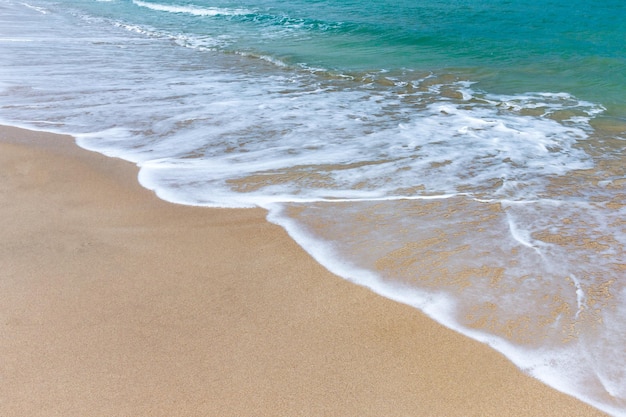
472 170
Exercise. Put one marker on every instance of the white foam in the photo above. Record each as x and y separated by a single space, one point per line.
267 58
36 8
522 237
15 40
580 296
192 10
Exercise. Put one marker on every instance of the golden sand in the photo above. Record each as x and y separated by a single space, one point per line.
114 303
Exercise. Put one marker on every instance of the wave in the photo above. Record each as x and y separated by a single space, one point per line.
41 10
244 15
192 10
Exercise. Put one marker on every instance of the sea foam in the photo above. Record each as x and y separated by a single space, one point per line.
192 10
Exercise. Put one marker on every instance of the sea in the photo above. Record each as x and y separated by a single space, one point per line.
464 157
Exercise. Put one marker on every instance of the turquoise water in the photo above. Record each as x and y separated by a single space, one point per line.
465 158
511 47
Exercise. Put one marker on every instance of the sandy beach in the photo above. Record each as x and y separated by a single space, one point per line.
115 303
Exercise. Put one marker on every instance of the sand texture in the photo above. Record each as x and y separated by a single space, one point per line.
114 303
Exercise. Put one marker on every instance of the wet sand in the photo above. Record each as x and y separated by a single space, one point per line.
114 303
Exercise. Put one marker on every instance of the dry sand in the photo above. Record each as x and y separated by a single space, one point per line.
114 303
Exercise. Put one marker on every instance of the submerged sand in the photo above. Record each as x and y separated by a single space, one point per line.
114 303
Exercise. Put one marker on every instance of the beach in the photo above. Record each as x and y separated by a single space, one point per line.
115 303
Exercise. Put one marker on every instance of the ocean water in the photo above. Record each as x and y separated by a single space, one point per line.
464 157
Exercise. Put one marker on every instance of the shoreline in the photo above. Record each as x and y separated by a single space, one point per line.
114 302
